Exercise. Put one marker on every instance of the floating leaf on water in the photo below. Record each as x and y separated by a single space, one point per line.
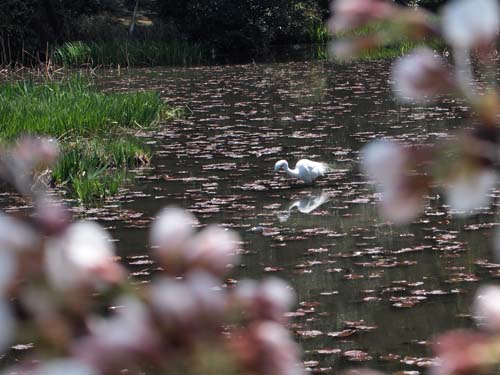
328 351
309 334
344 333
357 355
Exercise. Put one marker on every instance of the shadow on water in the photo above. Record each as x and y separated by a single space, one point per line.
361 283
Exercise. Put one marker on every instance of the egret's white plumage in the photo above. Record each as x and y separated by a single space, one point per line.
305 169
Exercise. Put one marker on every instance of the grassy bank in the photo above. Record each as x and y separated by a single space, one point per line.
94 129
128 53
72 108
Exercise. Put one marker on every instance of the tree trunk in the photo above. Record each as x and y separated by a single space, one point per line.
134 18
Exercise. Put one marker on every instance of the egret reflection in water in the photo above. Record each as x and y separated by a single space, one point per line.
306 204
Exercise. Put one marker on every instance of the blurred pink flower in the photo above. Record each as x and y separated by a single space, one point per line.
8 269
268 299
420 76
463 352
212 250
8 325
266 348
400 206
350 14
211 300
467 24
69 366
470 189
486 307
384 161
173 304
83 255
125 337
51 216
169 234
401 190
184 307
36 152
16 235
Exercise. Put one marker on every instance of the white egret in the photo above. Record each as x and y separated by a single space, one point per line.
305 169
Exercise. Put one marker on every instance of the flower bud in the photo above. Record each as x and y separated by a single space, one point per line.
269 299
169 235
212 250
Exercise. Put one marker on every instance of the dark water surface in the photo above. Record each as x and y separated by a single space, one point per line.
361 284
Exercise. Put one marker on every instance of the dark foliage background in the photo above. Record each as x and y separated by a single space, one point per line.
28 27
244 24
30 24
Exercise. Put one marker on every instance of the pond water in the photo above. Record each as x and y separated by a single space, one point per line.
361 283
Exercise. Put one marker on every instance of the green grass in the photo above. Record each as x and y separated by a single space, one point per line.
94 129
317 33
95 169
72 108
128 53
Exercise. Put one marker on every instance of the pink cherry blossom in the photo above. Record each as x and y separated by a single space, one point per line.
268 299
401 190
463 352
169 235
349 14
486 307
173 303
125 337
420 75
468 23
8 324
212 250
51 216
52 367
266 348
82 255
469 190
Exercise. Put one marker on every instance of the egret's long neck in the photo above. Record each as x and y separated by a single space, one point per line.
291 172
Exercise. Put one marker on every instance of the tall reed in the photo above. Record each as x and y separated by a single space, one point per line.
128 53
